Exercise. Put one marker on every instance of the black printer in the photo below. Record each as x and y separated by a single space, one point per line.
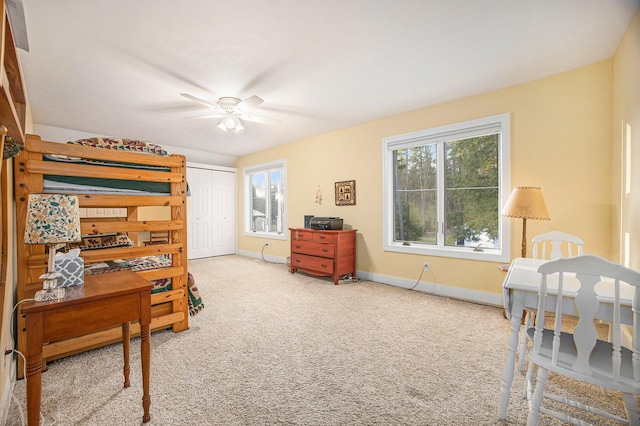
326 223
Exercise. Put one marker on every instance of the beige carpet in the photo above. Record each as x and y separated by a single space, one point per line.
271 348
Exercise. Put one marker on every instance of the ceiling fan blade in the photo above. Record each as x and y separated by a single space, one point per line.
197 117
250 102
260 119
200 101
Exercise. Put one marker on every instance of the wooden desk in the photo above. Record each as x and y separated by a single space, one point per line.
103 301
520 291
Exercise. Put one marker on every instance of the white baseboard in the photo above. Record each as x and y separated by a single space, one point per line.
424 287
435 289
267 257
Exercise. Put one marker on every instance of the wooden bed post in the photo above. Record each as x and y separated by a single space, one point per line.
24 184
180 213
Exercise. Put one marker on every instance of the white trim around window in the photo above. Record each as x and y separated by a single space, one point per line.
273 222
498 123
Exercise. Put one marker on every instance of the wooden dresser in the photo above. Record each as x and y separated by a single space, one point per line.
323 253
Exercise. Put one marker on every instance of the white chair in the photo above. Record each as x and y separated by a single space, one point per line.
559 244
581 355
552 245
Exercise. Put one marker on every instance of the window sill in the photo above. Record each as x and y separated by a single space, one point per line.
268 235
467 253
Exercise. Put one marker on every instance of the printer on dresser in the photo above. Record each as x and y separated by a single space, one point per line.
324 252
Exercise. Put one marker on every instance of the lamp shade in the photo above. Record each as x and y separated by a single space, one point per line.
52 219
526 202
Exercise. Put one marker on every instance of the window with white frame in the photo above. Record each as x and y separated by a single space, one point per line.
264 200
444 188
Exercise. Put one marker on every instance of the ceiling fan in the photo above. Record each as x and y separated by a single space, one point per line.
232 110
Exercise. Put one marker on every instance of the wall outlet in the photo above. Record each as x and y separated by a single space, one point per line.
427 266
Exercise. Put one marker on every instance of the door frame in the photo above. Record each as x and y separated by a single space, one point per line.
232 170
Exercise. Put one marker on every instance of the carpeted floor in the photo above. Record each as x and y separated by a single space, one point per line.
271 348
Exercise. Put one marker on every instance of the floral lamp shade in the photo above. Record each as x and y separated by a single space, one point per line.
52 219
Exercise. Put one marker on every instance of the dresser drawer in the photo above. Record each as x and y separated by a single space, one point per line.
325 238
319 264
313 248
302 235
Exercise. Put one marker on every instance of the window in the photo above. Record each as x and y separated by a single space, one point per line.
264 200
444 188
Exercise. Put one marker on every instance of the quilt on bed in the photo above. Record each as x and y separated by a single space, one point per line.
90 184
148 263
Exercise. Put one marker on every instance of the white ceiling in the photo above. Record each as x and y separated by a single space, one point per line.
117 67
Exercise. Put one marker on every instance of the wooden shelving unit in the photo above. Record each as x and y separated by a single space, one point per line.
13 103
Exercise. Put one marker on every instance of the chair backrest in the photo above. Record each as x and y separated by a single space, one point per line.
587 271
556 239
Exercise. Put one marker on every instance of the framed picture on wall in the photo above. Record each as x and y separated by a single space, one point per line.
346 193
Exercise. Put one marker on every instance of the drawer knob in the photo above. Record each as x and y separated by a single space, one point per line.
322 237
298 246
325 250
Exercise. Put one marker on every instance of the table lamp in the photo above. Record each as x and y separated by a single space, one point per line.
52 219
526 202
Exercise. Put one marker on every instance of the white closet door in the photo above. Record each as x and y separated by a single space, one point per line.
211 212
223 209
198 213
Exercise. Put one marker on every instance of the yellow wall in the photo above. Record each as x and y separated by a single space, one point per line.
626 149
561 141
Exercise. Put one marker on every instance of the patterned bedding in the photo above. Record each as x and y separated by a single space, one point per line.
145 264
84 185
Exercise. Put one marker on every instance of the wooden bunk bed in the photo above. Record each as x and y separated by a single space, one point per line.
32 168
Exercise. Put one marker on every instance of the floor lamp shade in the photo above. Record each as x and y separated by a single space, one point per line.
526 202
52 219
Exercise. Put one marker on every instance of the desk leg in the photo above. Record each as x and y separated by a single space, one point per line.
126 343
34 383
145 349
33 355
517 309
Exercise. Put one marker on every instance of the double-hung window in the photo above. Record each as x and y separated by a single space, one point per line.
264 200
444 188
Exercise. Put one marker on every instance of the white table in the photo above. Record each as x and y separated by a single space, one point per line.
520 291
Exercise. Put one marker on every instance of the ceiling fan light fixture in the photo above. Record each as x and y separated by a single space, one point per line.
231 109
231 122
